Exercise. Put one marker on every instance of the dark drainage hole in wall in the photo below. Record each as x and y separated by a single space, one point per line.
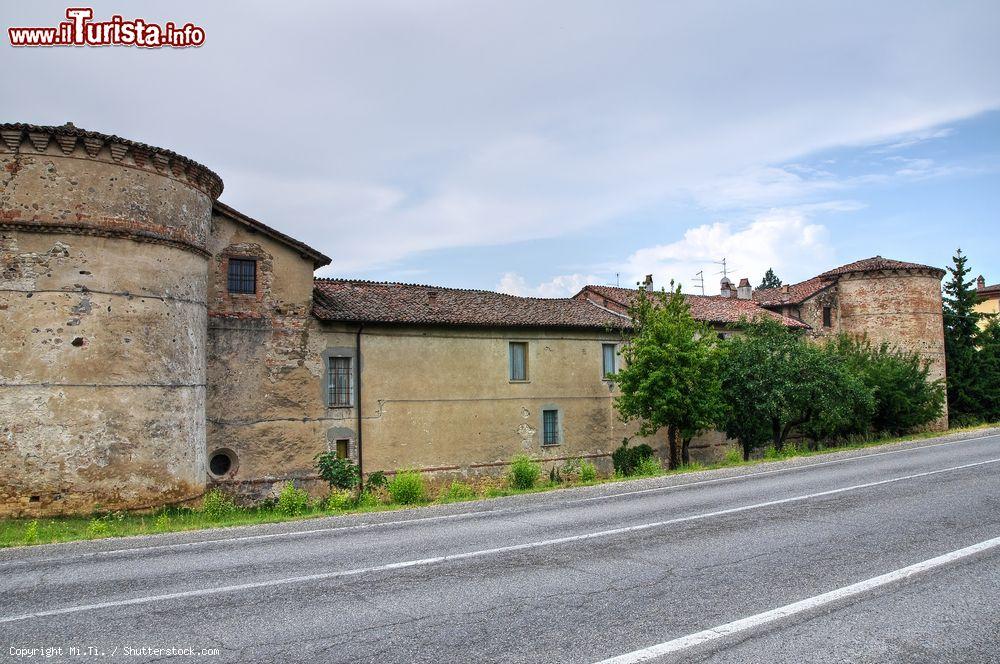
221 463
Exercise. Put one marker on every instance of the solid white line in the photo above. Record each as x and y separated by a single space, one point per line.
465 515
755 621
475 554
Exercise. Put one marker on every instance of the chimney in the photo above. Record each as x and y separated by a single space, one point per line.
648 283
726 287
784 288
432 296
980 283
744 291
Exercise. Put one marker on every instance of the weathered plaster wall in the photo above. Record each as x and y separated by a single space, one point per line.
439 399
264 366
102 326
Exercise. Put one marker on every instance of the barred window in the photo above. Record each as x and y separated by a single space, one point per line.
342 448
518 360
340 381
550 427
827 317
610 358
242 275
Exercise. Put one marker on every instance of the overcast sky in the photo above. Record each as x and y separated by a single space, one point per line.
536 146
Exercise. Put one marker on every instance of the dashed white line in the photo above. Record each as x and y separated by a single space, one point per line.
421 562
752 622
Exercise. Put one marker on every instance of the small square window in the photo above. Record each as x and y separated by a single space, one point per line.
827 317
609 360
342 448
242 275
518 360
339 382
550 427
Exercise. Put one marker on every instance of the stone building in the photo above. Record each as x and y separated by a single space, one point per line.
989 300
156 342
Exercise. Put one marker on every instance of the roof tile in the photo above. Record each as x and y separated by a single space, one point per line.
415 304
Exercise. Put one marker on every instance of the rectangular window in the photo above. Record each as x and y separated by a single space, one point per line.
550 427
242 275
827 317
608 351
518 360
340 381
342 449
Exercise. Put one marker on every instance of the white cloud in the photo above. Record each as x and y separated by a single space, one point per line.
563 285
376 131
783 239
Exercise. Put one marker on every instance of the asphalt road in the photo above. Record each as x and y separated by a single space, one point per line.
569 576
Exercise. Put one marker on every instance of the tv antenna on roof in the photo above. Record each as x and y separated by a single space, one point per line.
617 280
725 271
700 280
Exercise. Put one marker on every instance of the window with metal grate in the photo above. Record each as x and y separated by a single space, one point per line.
242 275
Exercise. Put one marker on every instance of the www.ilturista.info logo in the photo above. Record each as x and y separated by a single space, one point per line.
79 30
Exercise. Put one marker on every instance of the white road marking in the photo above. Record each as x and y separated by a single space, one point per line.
466 515
755 621
776 470
422 562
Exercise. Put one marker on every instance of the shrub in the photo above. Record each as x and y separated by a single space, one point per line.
649 466
162 521
588 471
292 501
31 532
734 455
555 476
217 505
523 472
456 492
367 500
98 528
407 487
337 472
627 459
377 480
339 501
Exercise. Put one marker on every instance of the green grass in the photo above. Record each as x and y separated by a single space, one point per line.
220 511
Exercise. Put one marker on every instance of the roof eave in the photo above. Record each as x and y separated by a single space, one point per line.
319 259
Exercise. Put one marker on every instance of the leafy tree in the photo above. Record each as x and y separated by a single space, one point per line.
961 332
771 280
670 378
776 381
989 371
899 381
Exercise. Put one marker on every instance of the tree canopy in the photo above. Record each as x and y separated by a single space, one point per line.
670 375
961 332
770 280
776 381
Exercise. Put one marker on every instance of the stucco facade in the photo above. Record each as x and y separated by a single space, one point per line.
155 343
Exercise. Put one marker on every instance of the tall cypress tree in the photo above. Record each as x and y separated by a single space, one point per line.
961 332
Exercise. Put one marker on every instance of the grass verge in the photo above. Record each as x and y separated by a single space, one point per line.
218 511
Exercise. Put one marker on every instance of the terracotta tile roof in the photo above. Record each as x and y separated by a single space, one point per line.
415 304
707 308
797 293
992 289
14 131
318 259
875 264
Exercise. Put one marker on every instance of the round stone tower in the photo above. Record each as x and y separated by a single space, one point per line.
894 301
103 272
